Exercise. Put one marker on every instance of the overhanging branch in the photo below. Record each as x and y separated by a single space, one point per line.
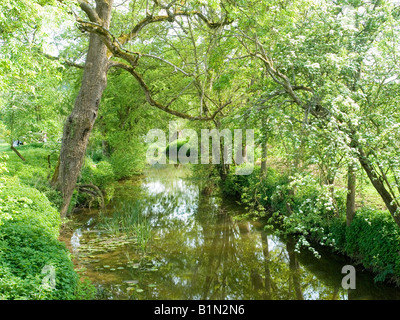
154 103
64 61
171 16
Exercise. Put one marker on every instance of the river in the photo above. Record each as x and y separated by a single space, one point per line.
198 250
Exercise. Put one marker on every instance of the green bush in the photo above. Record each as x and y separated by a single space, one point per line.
34 171
374 238
26 251
97 155
100 174
256 192
28 243
234 184
337 230
104 175
27 205
128 162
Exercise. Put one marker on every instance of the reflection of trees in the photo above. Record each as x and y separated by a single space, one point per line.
204 254
226 260
230 262
222 251
294 269
267 271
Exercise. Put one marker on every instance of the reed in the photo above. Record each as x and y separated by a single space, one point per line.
128 218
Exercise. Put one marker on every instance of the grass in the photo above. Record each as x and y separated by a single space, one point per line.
128 219
35 171
4 147
36 159
367 196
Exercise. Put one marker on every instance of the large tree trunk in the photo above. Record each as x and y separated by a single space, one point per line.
80 122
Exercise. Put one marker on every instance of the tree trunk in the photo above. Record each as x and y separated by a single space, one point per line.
17 152
264 159
351 195
80 122
54 178
378 184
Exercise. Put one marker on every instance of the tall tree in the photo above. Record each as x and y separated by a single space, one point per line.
80 122
106 51
331 84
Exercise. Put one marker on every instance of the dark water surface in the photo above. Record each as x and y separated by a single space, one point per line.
198 250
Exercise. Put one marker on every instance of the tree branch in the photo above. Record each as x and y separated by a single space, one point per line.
63 61
90 12
159 105
124 38
316 110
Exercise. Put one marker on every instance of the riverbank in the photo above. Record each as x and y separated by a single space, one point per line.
34 264
372 240
180 210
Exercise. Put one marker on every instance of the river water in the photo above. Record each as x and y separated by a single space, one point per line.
198 250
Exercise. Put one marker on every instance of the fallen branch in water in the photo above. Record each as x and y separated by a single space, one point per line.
93 190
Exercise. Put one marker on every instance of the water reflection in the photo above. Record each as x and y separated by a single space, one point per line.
198 251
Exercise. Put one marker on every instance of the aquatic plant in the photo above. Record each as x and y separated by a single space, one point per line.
128 218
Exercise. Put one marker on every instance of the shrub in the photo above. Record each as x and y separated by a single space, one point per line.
26 250
35 170
28 205
100 174
28 243
374 238
127 162
255 192
97 155
337 229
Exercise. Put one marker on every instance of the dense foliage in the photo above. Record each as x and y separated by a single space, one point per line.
373 239
316 80
29 242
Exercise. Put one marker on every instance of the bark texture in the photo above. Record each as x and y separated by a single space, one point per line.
80 122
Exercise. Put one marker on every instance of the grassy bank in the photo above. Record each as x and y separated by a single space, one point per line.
302 207
33 263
